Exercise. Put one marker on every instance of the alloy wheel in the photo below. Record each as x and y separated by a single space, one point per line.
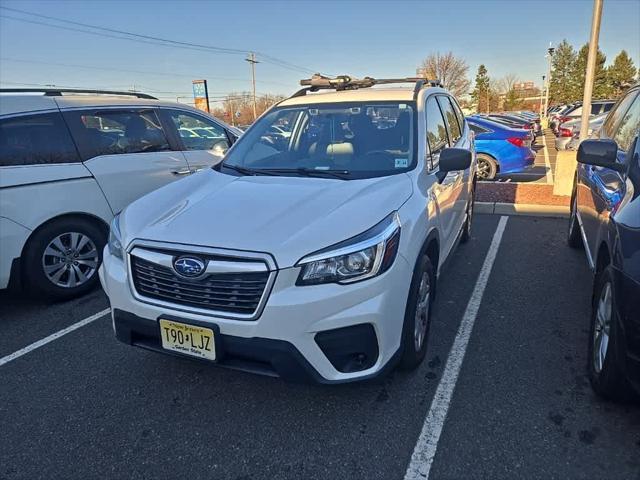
422 311
484 169
70 260
602 327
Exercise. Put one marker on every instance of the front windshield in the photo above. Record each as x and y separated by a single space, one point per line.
356 140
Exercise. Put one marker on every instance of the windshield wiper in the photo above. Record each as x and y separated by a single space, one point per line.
311 172
245 170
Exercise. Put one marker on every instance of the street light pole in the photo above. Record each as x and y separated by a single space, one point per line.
591 68
541 91
546 99
252 60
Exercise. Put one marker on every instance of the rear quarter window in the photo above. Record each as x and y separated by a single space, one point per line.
36 140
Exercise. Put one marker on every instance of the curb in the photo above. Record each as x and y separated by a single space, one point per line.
499 208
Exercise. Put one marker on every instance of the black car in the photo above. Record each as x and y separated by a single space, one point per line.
605 218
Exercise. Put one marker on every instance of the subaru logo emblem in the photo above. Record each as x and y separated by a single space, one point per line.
188 266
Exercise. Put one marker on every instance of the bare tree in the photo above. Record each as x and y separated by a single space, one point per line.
449 69
508 82
238 107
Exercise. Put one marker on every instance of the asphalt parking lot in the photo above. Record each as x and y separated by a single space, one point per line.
86 406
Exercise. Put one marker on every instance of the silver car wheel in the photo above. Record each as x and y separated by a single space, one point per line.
602 327
70 260
422 311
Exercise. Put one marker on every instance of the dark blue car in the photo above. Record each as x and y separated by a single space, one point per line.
605 219
500 149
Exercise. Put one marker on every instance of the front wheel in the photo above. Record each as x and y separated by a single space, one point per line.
417 320
605 373
487 167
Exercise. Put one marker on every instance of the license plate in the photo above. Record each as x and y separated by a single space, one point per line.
188 339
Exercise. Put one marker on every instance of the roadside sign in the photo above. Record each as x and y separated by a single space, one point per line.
201 95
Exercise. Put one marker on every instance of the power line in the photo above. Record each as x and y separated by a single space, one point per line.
144 72
147 38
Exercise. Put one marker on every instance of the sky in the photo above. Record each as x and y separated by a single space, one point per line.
378 38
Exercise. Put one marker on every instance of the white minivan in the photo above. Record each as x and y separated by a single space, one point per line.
70 160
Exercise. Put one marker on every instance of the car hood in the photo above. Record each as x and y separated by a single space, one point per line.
287 217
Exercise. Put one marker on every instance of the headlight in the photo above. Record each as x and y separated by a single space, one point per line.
115 239
364 256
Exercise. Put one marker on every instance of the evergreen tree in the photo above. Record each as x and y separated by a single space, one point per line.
480 94
601 87
562 69
621 74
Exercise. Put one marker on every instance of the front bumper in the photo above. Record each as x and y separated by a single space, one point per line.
285 339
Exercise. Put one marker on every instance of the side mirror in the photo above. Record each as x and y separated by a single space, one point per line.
601 153
220 149
452 160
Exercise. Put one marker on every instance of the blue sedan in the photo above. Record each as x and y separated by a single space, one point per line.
500 149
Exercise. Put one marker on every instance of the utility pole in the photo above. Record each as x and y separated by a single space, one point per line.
252 60
546 98
231 112
591 68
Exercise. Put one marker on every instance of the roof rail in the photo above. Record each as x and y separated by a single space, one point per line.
345 82
57 92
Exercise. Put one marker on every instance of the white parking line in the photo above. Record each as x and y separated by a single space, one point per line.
52 337
427 444
545 153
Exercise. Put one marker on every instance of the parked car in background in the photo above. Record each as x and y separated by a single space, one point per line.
594 128
71 160
573 112
605 220
500 149
315 258
570 130
515 121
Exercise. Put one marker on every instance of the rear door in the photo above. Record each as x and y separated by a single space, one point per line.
126 150
202 140
459 180
444 195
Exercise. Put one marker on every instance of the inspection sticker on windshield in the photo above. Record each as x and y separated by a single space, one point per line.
402 162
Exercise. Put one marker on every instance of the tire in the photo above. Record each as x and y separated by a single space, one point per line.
413 351
574 238
466 230
70 250
605 373
487 167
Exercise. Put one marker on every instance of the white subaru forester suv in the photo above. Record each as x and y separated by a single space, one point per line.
311 255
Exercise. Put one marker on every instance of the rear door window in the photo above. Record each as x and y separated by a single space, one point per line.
617 113
197 132
36 140
628 127
451 120
436 131
116 132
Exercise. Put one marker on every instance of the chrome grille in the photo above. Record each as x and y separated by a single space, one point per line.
236 293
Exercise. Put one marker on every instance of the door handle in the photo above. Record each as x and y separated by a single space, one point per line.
185 171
